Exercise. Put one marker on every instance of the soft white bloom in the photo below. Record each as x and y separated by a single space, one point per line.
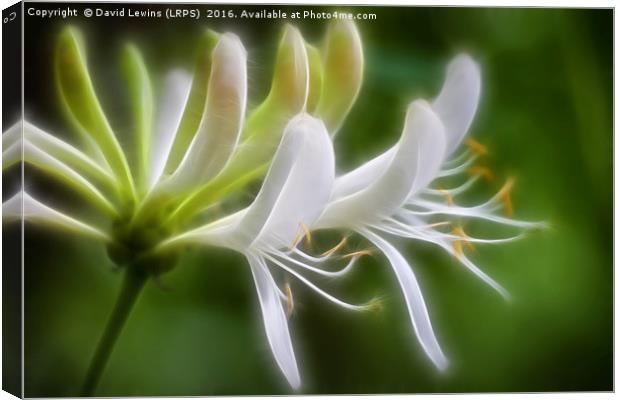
195 146
293 195
385 197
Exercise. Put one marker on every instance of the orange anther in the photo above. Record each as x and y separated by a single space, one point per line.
448 196
290 305
481 171
303 233
359 253
504 196
306 233
297 239
458 244
476 147
334 249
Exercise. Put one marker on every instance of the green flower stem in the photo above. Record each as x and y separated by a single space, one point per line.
133 283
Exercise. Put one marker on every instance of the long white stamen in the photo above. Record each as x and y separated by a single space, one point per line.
453 162
453 191
473 212
331 274
458 169
348 306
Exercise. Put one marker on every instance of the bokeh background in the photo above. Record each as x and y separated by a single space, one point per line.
546 117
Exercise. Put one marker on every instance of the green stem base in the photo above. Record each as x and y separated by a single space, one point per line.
133 283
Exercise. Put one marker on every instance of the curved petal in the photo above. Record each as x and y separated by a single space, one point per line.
315 85
142 104
67 154
416 161
458 100
274 318
11 155
35 211
81 103
289 87
222 121
362 176
414 300
343 68
44 161
174 98
195 105
297 186
263 129
12 135
294 192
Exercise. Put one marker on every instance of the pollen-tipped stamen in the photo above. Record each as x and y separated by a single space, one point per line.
504 196
478 170
447 196
476 147
359 253
336 248
290 304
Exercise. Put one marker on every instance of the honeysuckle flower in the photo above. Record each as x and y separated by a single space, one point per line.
387 196
294 194
191 145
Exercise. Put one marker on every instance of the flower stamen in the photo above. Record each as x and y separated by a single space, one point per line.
306 233
448 197
290 304
504 196
478 170
458 244
336 248
476 147
359 253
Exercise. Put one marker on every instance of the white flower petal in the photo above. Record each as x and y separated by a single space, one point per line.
11 155
414 299
291 72
294 192
11 135
274 318
416 161
175 94
458 100
218 132
362 176
297 185
343 69
35 211
44 161
67 154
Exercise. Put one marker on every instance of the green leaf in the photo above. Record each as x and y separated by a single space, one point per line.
81 103
141 94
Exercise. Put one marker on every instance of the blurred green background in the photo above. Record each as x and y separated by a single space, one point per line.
546 116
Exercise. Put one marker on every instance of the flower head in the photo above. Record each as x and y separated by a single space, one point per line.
195 146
